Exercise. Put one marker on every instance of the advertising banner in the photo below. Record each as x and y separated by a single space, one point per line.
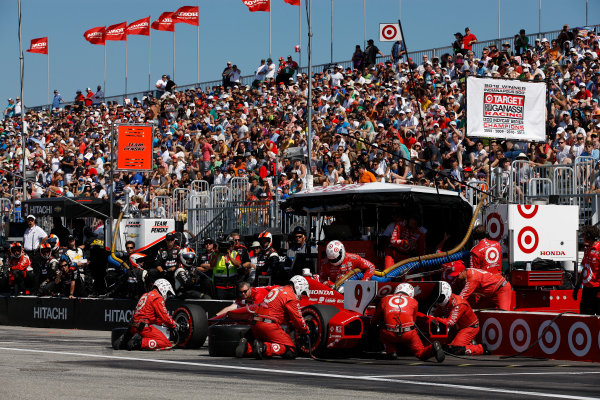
134 146
506 109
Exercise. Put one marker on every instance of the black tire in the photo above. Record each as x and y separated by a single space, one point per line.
116 334
194 317
317 318
223 339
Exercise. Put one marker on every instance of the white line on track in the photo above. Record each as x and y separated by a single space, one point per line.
494 374
313 374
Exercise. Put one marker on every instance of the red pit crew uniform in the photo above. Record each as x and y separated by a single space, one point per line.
489 285
459 314
151 310
280 306
590 278
18 268
399 313
351 261
257 295
404 243
487 256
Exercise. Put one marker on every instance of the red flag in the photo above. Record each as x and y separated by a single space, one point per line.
139 27
164 22
187 15
293 2
95 35
116 32
258 5
39 45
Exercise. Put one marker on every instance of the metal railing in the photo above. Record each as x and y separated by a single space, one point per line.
415 55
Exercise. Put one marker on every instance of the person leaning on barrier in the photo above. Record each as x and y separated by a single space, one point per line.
589 276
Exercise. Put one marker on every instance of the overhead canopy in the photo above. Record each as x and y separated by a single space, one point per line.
81 207
365 195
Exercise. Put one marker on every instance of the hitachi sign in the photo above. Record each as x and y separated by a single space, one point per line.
50 313
553 253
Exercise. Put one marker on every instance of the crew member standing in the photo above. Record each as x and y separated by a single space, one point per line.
487 254
408 240
280 307
32 238
457 314
488 285
340 263
590 272
399 313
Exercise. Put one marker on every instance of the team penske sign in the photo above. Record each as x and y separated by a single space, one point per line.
506 109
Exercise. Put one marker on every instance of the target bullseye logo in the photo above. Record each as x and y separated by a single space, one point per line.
492 255
398 301
389 32
550 341
489 98
492 333
519 334
528 240
384 290
527 212
580 339
495 226
152 343
586 273
276 347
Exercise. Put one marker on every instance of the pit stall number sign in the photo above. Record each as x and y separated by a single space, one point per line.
359 294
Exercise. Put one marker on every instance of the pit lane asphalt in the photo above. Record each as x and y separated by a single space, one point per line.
37 363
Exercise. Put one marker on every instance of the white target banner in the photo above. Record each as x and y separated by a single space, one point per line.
506 109
543 231
389 32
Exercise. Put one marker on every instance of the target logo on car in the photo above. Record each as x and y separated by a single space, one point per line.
528 239
389 32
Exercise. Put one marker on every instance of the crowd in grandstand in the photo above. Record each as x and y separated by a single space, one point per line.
397 121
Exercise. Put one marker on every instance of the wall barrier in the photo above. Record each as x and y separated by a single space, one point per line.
82 313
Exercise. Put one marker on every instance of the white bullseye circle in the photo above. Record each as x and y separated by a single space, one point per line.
585 341
492 333
551 340
523 334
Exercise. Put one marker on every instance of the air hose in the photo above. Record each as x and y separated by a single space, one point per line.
403 267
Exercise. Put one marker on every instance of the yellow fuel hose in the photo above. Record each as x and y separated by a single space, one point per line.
425 257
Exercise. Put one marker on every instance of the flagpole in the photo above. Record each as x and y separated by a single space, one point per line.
23 131
309 175
125 69
149 60
105 92
331 52
364 23
270 29
173 54
300 34
198 41
48 59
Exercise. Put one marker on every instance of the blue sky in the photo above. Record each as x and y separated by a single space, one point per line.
229 32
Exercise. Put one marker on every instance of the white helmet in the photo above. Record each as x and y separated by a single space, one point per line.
164 287
335 252
187 256
405 288
446 293
300 285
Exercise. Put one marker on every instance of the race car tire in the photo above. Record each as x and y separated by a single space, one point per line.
223 339
116 334
194 318
317 318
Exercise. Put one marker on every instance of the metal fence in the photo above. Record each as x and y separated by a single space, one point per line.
415 55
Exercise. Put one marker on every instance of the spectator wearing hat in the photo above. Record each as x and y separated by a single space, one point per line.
468 40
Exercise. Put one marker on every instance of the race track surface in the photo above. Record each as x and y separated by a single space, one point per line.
38 363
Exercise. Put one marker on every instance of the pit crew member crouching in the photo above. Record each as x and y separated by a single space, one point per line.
150 311
477 282
340 263
248 296
457 314
399 312
281 306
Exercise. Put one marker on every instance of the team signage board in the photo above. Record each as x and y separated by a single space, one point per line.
144 232
506 109
134 147
389 32
544 231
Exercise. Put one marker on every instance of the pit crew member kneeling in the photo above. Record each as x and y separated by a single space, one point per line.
491 286
399 312
281 306
150 311
340 263
457 314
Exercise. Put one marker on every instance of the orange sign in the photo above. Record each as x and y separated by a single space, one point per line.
134 146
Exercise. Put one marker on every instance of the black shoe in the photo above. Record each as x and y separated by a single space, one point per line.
135 343
438 352
241 348
258 348
116 345
393 356
486 351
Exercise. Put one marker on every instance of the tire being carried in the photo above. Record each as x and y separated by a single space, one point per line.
193 317
223 339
